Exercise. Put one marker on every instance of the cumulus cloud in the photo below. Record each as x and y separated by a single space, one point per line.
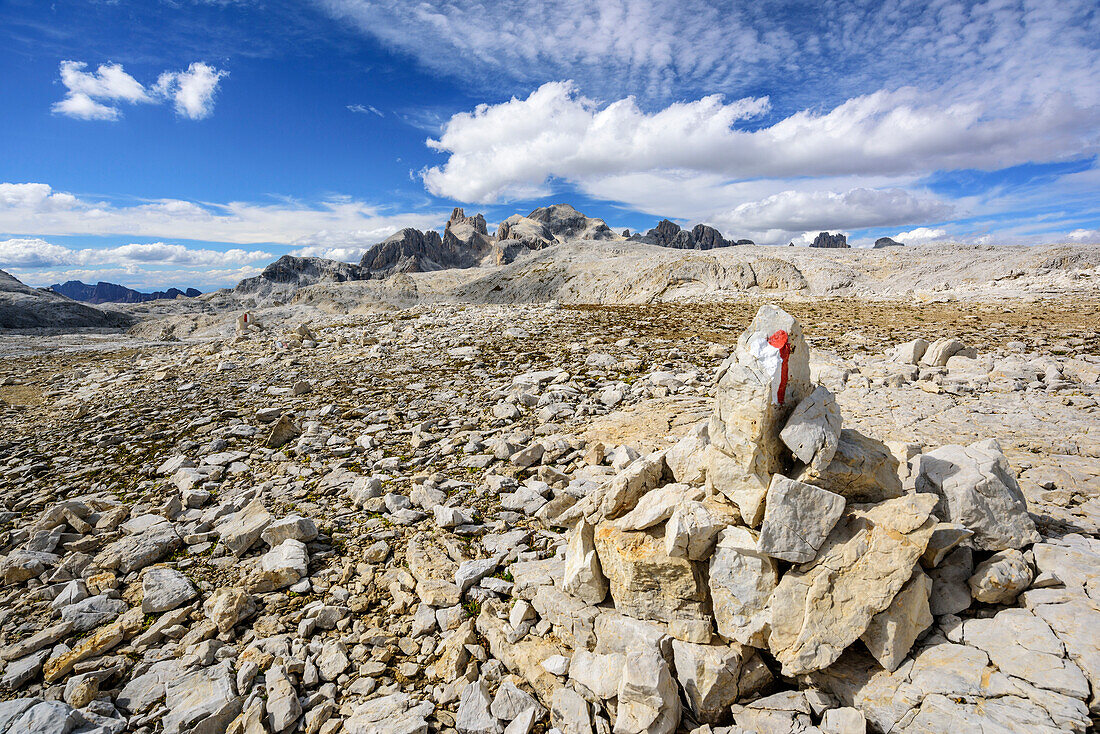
1088 236
921 236
97 95
39 253
191 91
35 208
514 148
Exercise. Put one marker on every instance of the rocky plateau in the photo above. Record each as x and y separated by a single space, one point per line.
562 481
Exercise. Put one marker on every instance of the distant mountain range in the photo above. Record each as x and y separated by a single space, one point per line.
114 293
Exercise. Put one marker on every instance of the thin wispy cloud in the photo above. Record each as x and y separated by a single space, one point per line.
365 109
99 94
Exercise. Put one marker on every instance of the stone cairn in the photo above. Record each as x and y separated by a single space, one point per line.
752 555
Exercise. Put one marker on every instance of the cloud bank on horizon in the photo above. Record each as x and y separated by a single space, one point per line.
942 121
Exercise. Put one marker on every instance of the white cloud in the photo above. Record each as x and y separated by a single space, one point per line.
647 45
365 109
920 236
514 148
144 279
34 208
344 254
1090 236
83 107
824 210
1008 53
191 91
38 253
96 95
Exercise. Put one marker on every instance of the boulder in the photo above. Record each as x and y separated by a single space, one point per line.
939 351
817 610
648 698
164 589
647 583
657 505
201 701
797 519
600 673
715 676
473 716
893 631
135 552
283 708
284 565
693 529
741 581
1000 578
813 430
757 389
227 606
950 590
293 527
243 528
862 469
569 712
583 577
978 491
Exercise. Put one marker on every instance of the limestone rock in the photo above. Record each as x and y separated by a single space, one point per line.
620 494
758 388
569 712
863 469
741 582
950 590
283 708
980 492
241 531
283 432
797 519
693 529
813 430
715 676
893 631
657 505
583 577
226 606
293 527
787 711
284 565
473 715
135 552
647 583
164 589
1023 645
820 609
201 701
598 672
941 350
1000 578
648 699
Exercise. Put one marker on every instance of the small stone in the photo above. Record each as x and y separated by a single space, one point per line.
1000 578
164 589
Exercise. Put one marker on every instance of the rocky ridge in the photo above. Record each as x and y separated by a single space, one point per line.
443 519
103 292
23 307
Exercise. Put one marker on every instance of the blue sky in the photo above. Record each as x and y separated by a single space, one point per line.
189 142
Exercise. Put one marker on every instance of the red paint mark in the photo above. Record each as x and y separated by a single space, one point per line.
779 341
